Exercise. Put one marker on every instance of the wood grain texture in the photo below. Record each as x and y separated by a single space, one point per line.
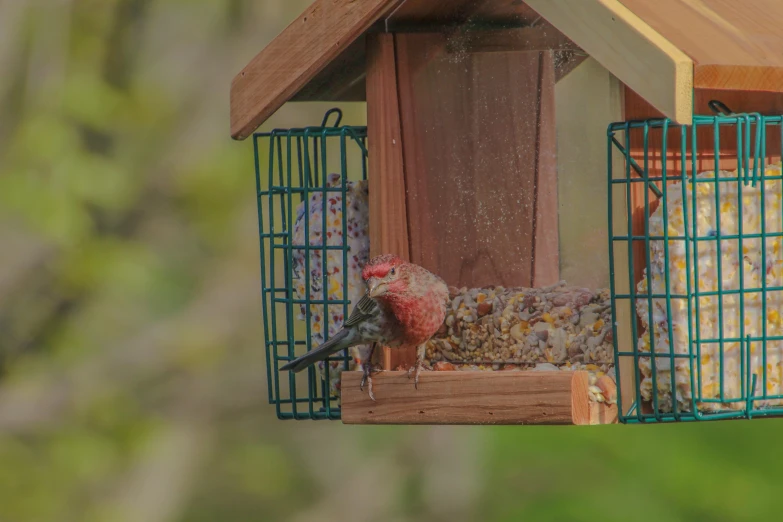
295 56
660 49
465 397
734 45
738 78
629 48
386 173
718 31
546 238
470 127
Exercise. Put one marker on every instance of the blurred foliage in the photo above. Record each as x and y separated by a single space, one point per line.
131 356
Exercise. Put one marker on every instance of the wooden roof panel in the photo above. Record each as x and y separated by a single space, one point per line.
721 44
718 32
304 48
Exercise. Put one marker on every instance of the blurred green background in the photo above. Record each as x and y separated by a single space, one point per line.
132 381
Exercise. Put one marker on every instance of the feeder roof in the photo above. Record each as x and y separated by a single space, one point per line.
661 49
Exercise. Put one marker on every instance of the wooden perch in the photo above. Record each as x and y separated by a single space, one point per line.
480 397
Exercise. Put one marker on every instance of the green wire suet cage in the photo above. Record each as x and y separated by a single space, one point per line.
706 339
296 170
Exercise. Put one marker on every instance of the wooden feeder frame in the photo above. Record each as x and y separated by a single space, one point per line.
672 59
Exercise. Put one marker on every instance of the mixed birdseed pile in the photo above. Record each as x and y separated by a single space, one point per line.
554 328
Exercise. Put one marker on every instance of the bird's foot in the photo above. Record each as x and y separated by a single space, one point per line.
415 370
367 378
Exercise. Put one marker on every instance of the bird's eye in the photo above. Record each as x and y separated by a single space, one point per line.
392 271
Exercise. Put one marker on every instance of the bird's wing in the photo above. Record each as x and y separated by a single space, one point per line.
364 309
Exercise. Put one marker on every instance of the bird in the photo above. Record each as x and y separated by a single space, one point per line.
404 306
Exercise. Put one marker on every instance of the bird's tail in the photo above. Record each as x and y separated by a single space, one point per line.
339 342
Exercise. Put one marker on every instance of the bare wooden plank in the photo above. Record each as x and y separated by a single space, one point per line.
295 56
386 174
546 242
629 48
718 32
470 159
738 78
734 45
466 397
388 215
538 38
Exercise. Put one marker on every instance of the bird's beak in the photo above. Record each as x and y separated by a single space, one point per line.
376 288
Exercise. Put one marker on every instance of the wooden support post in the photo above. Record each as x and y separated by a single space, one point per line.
474 398
388 214
546 247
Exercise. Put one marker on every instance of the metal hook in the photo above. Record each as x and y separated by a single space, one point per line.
719 108
329 113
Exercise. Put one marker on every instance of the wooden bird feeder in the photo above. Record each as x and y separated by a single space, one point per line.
486 131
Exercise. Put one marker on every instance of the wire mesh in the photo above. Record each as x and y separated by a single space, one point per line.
291 166
696 267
